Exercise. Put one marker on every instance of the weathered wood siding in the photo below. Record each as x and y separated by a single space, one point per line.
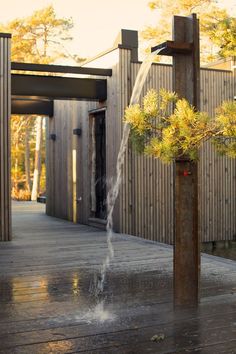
147 191
62 200
59 168
217 174
147 188
145 204
5 109
69 115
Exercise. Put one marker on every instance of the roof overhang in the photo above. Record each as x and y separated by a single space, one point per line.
29 106
34 94
66 69
55 87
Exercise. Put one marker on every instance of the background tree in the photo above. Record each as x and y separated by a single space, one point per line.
38 162
217 27
22 156
222 32
39 38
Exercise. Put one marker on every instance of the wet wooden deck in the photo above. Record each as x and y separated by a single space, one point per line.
47 306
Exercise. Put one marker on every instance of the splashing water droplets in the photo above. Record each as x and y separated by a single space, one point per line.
98 314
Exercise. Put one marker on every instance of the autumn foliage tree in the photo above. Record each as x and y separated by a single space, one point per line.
217 26
39 38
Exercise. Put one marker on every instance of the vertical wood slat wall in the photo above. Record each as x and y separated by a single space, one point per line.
147 188
68 115
59 165
145 204
113 126
150 212
217 174
5 108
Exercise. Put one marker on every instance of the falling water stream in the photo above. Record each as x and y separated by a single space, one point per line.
99 312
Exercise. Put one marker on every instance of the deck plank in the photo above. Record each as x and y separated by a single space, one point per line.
46 303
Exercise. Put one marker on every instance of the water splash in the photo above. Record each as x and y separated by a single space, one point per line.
98 314
114 190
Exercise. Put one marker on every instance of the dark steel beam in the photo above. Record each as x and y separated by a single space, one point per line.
31 106
60 69
54 87
5 35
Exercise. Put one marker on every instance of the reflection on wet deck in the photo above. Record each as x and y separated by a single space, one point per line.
47 304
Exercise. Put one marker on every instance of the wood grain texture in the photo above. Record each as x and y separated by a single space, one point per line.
186 77
46 273
217 189
5 112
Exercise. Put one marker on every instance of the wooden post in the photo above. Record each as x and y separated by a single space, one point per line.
5 112
186 78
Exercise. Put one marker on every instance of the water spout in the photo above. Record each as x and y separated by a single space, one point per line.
114 190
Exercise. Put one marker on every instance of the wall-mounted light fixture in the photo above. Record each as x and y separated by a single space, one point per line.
77 131
52 137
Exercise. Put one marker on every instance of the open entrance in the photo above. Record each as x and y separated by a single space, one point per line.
98 165
37 96
28 158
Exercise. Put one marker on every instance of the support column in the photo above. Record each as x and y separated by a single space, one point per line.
186 243
186 79
5 113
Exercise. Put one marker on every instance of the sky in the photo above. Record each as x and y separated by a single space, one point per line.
96 22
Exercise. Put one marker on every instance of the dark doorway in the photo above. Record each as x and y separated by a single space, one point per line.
98 186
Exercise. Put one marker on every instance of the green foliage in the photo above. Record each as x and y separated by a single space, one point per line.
138 140
158 132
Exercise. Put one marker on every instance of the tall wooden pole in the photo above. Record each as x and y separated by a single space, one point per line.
5 109
186 79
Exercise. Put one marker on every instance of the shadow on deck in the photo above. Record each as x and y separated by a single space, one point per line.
46 275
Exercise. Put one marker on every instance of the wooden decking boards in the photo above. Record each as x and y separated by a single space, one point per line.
46 276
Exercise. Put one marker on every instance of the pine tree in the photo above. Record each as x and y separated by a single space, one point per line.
156 132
